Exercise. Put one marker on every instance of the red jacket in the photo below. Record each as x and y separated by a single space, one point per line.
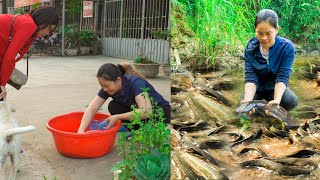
24 27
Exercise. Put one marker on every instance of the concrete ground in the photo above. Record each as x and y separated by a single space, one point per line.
59 85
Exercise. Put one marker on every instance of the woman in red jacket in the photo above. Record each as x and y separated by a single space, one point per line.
39 22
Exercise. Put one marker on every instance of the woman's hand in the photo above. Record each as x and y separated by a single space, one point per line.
273 102
269 104
112 120
244 101
80 131
252 111
90 112
3 93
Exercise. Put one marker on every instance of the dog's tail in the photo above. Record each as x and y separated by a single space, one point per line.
19 130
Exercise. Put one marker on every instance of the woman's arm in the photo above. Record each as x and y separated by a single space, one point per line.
279 89
249 92
251 78
90 112
20 38
283 74
285 69
144 107
3 94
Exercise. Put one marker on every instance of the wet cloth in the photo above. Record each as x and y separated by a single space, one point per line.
96 125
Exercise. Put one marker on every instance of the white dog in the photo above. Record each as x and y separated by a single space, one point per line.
9 139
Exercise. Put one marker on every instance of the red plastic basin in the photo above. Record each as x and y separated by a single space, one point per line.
90 144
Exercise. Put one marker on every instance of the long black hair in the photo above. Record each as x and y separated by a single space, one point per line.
267 15
110 72
45 16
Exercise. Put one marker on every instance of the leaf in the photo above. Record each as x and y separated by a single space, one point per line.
243 128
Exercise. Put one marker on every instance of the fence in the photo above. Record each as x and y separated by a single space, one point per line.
133 28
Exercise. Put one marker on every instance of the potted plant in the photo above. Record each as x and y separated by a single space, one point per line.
71 39
147 152
86 40
146 67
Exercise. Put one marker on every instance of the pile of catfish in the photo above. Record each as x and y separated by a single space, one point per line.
209 140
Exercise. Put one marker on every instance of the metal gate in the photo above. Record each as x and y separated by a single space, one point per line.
133 28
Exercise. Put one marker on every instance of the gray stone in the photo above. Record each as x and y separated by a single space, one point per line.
315 52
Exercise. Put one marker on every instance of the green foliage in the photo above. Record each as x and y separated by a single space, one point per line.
19 11
160 34
45 178
142 60
155 166
87 38
71 35
245 123
220 24
36 5
152 135
299 20
73 6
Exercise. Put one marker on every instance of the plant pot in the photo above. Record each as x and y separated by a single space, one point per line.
148 70
85 50
166 69
72 52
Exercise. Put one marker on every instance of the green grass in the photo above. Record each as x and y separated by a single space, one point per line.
219 24
216 26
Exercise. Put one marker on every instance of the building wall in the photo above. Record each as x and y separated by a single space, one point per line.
0 6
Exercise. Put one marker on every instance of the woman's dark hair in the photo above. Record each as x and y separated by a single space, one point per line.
267 15
45 16
110 72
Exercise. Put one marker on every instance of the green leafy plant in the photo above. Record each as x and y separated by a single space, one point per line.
36 5
19 11
207 29
155 166
71 36
216 25
45 178
142 60
152 135
73 6
160 34
245 121
87 38
303 24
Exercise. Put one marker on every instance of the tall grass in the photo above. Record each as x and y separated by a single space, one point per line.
220 24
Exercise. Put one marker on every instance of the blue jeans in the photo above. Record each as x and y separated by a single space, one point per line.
288 102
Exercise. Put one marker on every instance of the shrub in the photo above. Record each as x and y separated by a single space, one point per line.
145 145
87 38
299 20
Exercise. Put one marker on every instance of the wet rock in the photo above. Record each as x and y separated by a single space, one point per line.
315 53
309 49
299 50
